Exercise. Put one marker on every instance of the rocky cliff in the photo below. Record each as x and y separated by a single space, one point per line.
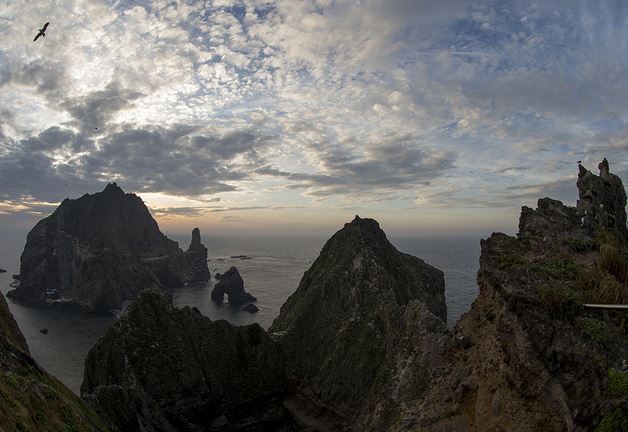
353 335
529 356
364 329
100 250
30 399
160 368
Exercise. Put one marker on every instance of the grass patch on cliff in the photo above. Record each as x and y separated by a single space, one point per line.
507 261
617 383
561 268
595 330
599 286
614 421
560 300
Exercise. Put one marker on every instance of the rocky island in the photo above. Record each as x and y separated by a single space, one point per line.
102 249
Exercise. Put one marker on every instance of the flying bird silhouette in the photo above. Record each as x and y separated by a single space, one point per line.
42 32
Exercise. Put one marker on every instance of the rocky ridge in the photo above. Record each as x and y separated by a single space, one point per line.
533 357
100 250
160 368
363 330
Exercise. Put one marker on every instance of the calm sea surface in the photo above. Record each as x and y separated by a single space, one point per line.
272 273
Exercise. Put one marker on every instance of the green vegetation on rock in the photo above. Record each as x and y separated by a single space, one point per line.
595 329
617 383
615 421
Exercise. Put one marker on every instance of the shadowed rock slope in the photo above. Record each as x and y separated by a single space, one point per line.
365 328
160 368
531 357
361 335
100 250
30 399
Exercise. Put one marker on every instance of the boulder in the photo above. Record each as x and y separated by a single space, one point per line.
231 284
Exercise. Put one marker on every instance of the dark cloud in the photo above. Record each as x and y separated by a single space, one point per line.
94 111
181 160
399 163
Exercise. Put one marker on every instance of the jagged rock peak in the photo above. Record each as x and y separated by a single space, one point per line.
113 188
196 238
602 200
344 331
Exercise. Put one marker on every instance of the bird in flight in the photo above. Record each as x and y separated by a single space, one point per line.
42 32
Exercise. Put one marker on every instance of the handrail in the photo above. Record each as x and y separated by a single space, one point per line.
607 306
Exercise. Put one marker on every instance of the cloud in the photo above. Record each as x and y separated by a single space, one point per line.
445 102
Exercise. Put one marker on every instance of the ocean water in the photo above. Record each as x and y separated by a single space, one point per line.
271 273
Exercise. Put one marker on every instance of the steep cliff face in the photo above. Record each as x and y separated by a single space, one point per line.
531 356
30 399
364 329
8 327
160 368
99 250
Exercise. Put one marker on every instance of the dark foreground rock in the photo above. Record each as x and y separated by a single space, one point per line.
30 399
535 358
2 270
160 368
364 330
231 284
355 335
100 250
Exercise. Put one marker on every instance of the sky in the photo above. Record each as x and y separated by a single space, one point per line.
291 116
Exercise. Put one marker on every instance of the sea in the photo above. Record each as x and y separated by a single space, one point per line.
270 266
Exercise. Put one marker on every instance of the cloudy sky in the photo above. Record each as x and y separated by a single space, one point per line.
294 115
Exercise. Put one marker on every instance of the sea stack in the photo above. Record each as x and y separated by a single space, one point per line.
197 257
231 284
99 250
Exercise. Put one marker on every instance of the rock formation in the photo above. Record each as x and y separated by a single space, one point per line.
2 270
170 369
364 330
197 257
231 284
30 399
362 344
602 202
533 359
99 250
